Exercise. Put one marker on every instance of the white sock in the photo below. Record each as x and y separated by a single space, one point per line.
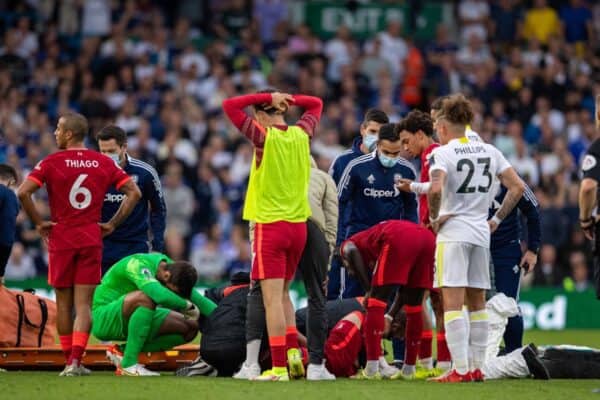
457 340
252 352
383 363
426 363
372 367
444 365
408 369
478 337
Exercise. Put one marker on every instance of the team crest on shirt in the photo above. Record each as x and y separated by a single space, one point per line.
589 162
371 179
134 178
147 274
397 178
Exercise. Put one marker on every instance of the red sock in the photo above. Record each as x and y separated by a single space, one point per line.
80 340
291 338
66 344
278 356
425 349
373 331
412 336
443 354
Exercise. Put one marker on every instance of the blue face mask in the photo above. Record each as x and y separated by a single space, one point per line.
386 161
370 141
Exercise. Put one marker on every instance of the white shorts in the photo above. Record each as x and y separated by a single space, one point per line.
460 264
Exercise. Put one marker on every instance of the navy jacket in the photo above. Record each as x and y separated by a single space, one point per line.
9 208
134 230
368 189
336 170
509 231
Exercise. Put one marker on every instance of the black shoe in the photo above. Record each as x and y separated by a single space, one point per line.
197 368
397 363
534 363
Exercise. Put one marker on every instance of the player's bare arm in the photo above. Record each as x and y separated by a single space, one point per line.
511 180
587 201
25 194
434 198
132 196
354 263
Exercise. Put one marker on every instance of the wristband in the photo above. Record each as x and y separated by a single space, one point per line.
420 187
496 220
388 317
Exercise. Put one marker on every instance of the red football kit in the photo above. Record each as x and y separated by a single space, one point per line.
398 252
76 181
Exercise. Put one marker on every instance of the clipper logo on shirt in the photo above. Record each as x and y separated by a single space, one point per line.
114 198
377 193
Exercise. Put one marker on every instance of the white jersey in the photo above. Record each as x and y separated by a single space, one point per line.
472 135
471 170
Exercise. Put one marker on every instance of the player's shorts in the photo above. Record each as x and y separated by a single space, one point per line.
277 249
460 264
342 348
397 266
82 266
108 322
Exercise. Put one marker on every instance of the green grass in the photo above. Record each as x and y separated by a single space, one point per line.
105 386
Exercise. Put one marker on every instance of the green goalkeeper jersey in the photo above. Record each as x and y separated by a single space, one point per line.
138 272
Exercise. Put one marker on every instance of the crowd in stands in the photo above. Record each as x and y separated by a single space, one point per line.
160 70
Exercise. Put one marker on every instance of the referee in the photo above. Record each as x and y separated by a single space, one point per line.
588 198
131 236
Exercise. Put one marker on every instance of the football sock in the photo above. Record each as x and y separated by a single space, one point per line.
413 331
425 349
408 369
291 338
162 343
372 367
66 344
80 340
374 323
278 351
252 351
398 349
478 337
513 335
443 354
458 342
138 330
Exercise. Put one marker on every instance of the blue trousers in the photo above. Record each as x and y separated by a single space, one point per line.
507 280
116 251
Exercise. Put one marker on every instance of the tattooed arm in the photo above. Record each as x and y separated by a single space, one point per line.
516 187
434 197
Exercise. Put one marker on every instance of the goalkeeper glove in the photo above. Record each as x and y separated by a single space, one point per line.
191 311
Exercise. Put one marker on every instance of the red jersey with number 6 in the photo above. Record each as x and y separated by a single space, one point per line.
77 181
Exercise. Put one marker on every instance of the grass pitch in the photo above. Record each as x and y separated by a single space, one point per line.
105 386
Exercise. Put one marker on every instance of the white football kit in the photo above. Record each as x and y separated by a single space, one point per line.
463 241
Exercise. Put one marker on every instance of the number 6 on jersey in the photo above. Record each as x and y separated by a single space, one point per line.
77 192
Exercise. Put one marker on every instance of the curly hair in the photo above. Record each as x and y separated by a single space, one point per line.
415 121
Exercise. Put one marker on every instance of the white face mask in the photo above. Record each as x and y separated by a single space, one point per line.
115 157
370 141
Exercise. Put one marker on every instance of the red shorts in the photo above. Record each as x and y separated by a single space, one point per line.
397 266
342 348
70 267
278 247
